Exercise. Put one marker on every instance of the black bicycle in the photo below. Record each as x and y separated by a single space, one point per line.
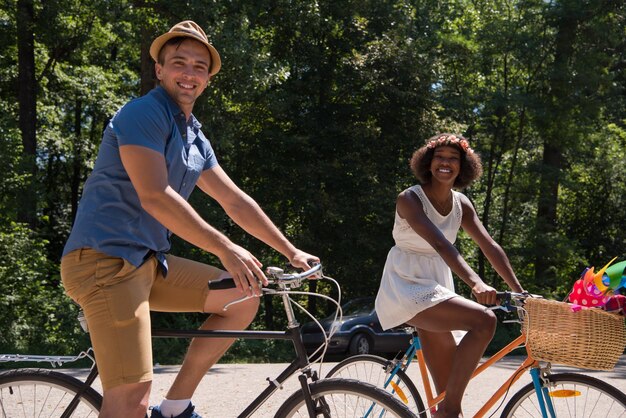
28 392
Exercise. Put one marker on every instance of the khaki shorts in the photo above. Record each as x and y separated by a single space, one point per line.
117 298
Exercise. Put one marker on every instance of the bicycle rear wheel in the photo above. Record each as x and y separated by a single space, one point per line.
46 394
572 395
377 370
339 398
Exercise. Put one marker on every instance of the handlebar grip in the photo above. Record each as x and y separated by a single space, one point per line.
220 284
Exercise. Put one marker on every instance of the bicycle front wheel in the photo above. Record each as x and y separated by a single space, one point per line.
342 398
572 395
377 371
46 394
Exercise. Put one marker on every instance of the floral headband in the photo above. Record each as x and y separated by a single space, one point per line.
450 140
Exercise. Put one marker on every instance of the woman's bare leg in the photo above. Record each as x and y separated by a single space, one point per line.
459 314
439 349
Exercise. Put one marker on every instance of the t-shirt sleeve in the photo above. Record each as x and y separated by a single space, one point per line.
211 159
142 122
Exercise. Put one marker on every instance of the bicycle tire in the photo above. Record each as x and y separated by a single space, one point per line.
342 398
579 396
376 370
44 393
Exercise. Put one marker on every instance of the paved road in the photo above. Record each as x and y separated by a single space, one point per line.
228 388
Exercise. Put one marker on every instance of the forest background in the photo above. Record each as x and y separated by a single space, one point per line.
315 113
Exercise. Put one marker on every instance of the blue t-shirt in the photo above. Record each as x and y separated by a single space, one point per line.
110 218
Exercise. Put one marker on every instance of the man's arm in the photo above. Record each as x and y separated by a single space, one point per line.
242 209
148 173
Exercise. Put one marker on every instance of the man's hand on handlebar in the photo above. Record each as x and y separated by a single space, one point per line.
245 270
303 260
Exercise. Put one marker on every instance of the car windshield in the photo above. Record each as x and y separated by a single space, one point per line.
358 306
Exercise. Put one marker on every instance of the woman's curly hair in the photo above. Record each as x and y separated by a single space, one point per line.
471 166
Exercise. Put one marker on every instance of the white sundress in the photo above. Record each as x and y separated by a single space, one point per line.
415 276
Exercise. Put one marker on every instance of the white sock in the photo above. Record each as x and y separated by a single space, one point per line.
172 408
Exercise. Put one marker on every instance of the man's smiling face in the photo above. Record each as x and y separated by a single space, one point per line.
184 73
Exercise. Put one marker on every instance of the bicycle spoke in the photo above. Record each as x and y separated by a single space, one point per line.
376 370
41 394
571 395
344 398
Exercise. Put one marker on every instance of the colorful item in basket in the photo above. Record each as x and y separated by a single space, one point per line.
616 275
616 304
596 280
601 289
608 280
586 294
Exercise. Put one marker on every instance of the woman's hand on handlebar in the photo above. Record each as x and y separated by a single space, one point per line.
303 260
484 294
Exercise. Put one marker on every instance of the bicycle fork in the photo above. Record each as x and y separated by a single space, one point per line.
543 394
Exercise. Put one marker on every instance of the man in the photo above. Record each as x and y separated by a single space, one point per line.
115 265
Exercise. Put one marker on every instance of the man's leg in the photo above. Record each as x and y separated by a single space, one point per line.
129 400
203 353
185 289
113 295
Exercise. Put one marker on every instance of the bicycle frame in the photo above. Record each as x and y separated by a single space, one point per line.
301 361
415 351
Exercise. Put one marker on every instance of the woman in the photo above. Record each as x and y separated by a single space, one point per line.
417 288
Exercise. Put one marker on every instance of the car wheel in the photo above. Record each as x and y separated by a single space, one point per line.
360 344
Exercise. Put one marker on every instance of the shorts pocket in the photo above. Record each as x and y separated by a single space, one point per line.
112 270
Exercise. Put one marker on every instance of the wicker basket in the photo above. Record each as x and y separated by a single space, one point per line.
588 339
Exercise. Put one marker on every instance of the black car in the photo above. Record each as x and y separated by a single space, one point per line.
359 332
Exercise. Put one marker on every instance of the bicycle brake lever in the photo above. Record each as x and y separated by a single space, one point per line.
506 307
244 298
231 303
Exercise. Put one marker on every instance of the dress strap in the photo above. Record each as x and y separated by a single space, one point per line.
417 189
457 209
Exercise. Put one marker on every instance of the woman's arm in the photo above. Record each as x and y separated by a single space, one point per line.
492 250
410 208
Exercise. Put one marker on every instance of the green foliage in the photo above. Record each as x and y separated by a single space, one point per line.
35 316
315 113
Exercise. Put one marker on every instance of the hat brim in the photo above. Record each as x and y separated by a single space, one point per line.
157 44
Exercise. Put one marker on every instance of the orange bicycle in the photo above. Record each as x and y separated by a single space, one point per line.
548 395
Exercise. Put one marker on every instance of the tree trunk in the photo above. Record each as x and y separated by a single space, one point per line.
511 175
77 157
148 78
493 164
556 135
269 311
27 99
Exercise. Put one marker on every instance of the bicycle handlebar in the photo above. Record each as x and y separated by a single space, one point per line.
508 295
276 275
509 301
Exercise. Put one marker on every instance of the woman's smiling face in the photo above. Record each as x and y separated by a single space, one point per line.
446 163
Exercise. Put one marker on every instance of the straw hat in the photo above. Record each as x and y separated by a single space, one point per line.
187 29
